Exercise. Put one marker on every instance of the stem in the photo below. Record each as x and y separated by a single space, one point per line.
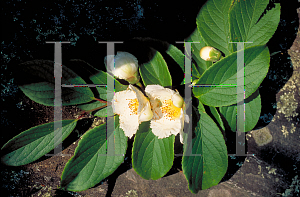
83 113
89 111
140 85
101 101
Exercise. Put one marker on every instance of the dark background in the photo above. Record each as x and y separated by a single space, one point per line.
27 25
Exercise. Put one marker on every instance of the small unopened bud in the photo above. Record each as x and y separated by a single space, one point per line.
124 67
195 82
210 54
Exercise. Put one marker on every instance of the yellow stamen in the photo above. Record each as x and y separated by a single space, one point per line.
133 106
170 110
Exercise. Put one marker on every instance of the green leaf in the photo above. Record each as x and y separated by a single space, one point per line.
213 25
100 108
156 71
88 167
217 116
193 120
201 107
246 24
100 77
208 168
95 76
91 106
36 79
152 158
35 142
107 111
252 112
224 72
177 55
197 70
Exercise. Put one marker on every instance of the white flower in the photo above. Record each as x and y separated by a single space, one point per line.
125 66
168 111
133 108
210 54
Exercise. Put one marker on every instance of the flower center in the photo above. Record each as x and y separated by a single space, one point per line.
133 106
170 111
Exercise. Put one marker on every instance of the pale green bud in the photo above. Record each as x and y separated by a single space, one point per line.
195 82
210 54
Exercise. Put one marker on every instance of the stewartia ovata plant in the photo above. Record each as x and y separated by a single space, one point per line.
150 108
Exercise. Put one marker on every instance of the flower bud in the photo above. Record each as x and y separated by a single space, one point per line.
195 82
210 54
124 67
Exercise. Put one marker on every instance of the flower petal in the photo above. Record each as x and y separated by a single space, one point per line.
157 91
146 114
109 63
129 124
165 127
184 118
167 119
133 108
177 100
125 104
140 96
120 101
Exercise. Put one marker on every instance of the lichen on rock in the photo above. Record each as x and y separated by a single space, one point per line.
262 136
287 103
